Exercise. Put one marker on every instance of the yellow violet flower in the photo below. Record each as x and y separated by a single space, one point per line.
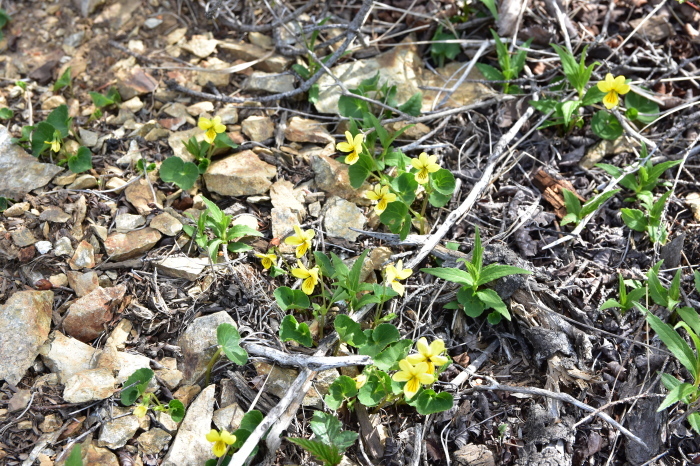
221 440
414 376
360 381
425 164
382 195
310 277
267 260
302 240
140 411
429 354
613 87
395 273
354 146
211 127
55 144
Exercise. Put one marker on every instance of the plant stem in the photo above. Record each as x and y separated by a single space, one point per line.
210 366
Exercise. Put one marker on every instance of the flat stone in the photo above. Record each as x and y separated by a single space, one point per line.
21 172
65 179
332 177
198 344
87 7
60 279
306 130
655 28
120 334
51 423
89 385
127 222
101 456
66 356
170 377
23 237
217 79
114 434
89 138
228 115
177 139
258 128
83 257
228 418
115 184
201 45
187 393
166 224
248 52
241 174
42 247
121 246
86 316
200 107
190 447
270 82
85 181
340 216
134 104
17 210
53 102
153 441
54 215
135 82
63 247
283 195
25 322
140 195
156 134
473 455
182 267
280 379
283 220
83 283
416 131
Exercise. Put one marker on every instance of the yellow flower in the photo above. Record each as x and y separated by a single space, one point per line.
360 381
425 164
267 260
140 411
394 274
220 441
429 354
382 195
212 128
310 277
55 144
354 146
302 240
613 87
414 376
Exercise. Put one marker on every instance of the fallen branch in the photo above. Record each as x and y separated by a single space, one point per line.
315 363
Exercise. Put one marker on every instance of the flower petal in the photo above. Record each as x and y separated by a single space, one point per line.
417 164
344 147
308 285
423 347
402 376
415 358
406 366
425 378
357 142
204 124
411 387
219 128
610 100
439 360
352 158
348 136
301 249
422 176
227 437
219 449
301 273
398 287
404 274
437 347
213 436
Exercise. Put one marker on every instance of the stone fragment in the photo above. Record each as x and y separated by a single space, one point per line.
258 128
128 222
269 82
115 184
54 215
655 28
121 246
340 216
187 393
17 210
53 102
133 105
42 247
283 195
63 247
229 418
177 139
67 356
153 441
89 138
83 257
306 130
473 455
190 447
200 107
217 79
416 131
120 334
140 196
85 181
25 322
51 423
65 179
135 82
89 385
241 174
102 456
83 283
200 45
198 344
249 52
170 377
86 316
182 267
280 379
23 237
597 152
166 224
332 177
228 115
115 433
19 401
87 7
60 279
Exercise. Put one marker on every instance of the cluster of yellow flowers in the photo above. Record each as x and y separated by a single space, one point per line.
221 440
419 369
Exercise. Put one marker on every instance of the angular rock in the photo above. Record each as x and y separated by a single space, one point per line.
85 181
42 247
283 221
128 222
258 128
472 454
66 356
198 342
177 139
83 257
228 115
140 196
153 441
187 393
282 194
120 246
270 82
340 216
280 379
102 456
63 247
54 215
25 322
89 385
170 377
241 174
166 224
86 317
248 52
117 432
201 45
83 283
217 79
135 82
17 210
332 177
23 237
65 179
229 418
89 138
51 423
182 267
190 447
306 130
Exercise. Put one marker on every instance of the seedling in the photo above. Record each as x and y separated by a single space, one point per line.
439 49
6 113
63 81
76 456
510 68
650 220
575 212
646 179
332 441
229 341
102 101
475 299
4 19
135 388
669 297
627 300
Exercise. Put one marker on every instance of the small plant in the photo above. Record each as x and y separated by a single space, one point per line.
229 341
650 219
63 81
669 297
135 388
472 296
575 212
6 113
646 179
510 68
627 300
225 443
4 19
331 441
76 456
440 50
102 101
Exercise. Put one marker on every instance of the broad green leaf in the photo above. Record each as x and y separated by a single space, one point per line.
251 420
490 73
451 274
100 100
568 109
353 281
477 254
349 331
491 5
674 342
491 300
60 120
657 291
81 161
327 428
43 133
438 200
175 170
388 359
593 96
593 204
635 219
544 106
473 306
177 410
324 263
228 337
495 271
6 113
413 105
378 339
360 170
405 186
352 107
440 50
443 181
669 381
396 217
290 329
377 387
648 111
137 384
239 231
223 140
656 171
678 393
342 388
696 280
429 402
611 170
694 421
606 126
288 298
610 303
76 457
62 81
328 454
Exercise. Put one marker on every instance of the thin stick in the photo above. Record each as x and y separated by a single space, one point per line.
315 363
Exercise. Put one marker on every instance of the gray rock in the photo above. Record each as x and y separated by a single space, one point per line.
89 385
283 221
283 194
83 257
23 237
166 224
307 130
43 247
229 418
241 174
17 210
63 247
87 7
153 441
333 178
66 356
84 182
116 433
54 215
74 40
83 283
129 222
270 82
120 246
340 216
191 447
89 138
25 322
182 267
198 342
21 172
258 128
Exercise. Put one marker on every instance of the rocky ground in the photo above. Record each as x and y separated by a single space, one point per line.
99 279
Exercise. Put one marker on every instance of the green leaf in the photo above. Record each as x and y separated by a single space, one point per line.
694 421
177 410
62 81
378 339
473 306
353 281
290 329
228 337
443 181
429 402
349 331
544 105
327 428
183 174
100 100
223 140
669 381
329 455
678 393
137 383
451 274
568 109
324 264
396 217
440 51
342 388
696 279
80 162
413 105
251 420
388 359
405 187
490 73
674 342
3 204
42 133
360 170
60 120
76 457
491 300
491 5
593 204
377 387
635 219
352 107
610 303
6 113
495 271
593 96
606 126
648 111
657 291
438 200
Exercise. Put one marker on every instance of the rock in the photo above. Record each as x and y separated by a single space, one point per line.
153 441
115 184
283 195
283 221
85 181
258 128
43 247
241 174
23 237
67 356
17 210
74 40
187 393
177 139
269 82
201 46
693 201
51 423
86 316
83 283
170 377
190 447
83 257
128 222
119 334
416 131
655 28
89 385
25 322
228 115
182 267
65 179
166 224
340 216
473 455
87 7
217 79
332 177
132 156
19 401
21 172
199 108
54 215
60 279
117 432
135 82
306 130
133 105
248 52
102 456
156 134
63 247
140 196
198 342
120 246
597 152
280 379
53 102
229 418
128 363
90 138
